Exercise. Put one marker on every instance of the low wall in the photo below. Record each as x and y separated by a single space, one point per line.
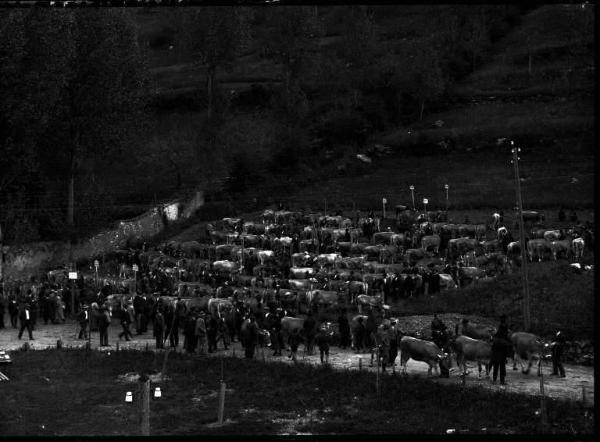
22 261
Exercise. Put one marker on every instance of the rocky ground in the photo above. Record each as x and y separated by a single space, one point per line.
578 383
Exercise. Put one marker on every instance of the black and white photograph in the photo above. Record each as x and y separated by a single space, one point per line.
271 218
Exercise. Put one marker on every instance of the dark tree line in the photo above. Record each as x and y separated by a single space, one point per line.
79 121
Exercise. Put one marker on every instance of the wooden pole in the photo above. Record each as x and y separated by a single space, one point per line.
221 402
524 276
359 364
145 406
542 397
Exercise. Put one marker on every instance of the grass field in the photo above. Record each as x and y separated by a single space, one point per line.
74 393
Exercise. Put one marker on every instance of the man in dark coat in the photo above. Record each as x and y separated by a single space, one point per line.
13 311
249 333
158 328
212 328
103 324
344 327
83 319
370 328
500 346
25 318
309 332
323 341
359 335
557 353
189 332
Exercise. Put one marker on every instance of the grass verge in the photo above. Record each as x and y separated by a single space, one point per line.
71 392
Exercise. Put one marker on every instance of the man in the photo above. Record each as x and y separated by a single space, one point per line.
25 318
138 306
344 327
103 324
370 328
359 335
500 346
250 334
323 340
83 319
189 332
557 353
381 338
212 327
127 318
438 331
13 311
201 333
275 329
158 328
395 337
309 332
294 341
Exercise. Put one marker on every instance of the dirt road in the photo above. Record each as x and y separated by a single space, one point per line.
569 388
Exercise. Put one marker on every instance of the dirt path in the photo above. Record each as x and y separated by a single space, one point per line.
569 388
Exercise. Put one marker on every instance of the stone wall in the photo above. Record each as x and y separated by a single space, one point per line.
35 258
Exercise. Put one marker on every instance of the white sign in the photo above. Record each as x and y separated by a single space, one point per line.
384 201
135 268
96 264
425 201
412 187
72 275
446 186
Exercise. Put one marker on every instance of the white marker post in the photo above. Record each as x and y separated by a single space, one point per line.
96 265
412 193
446 186
384 202
425 202
135 270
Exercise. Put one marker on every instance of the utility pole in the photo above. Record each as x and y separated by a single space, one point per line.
526 312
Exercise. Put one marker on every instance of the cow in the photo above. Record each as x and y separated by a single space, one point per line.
470 273
531 216
330 259
501 232
552 235
248 240
301 272
459 246
308 245
447 282
300 284
343 247
420 350
323 297
288 325
578 245
562 248
218 306
469 349
526 346
491 246
480 332
414 255
224 251
538 248
383 237
431 241
254 228
265 256
353 263
226 266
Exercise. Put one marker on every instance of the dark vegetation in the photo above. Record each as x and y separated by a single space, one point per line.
76 393
287 103
561 299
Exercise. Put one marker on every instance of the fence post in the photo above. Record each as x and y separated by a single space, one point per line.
145 406
542 397
359 364
221 402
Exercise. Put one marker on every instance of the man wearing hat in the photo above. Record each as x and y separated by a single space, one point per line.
127 318
26 321
83 319
500 345
201 333
557 352
103 323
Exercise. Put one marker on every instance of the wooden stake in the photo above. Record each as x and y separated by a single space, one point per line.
145 405
221 403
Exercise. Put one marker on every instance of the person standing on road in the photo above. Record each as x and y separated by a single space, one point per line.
250 336
294 341
201 333
103 324
359 336
26 321
500 345
158 328
211 332
344 327
323 340
309 332
83 319
557 353
127 318
13 310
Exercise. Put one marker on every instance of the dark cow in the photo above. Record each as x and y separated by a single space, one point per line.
526 346
469 349
475 331
431 242
420 350
538 248
289 324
